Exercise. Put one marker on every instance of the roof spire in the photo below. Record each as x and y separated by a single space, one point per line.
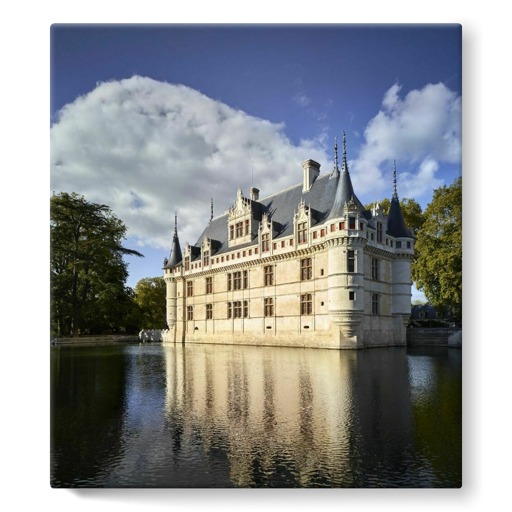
395 194
344 162
175 223
336 169
211 206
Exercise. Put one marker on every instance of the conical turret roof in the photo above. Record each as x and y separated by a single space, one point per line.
396 225
176 256
344 188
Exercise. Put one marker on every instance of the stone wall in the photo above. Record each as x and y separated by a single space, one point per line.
440 337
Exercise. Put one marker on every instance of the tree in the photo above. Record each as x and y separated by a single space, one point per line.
411 210
437 270
88 274
150 295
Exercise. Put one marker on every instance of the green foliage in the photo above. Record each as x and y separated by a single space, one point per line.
437 269
150 295
88 274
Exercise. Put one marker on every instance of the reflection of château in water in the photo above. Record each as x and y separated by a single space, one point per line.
301 418
307 267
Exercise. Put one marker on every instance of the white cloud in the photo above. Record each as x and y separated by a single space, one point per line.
148 148
419 131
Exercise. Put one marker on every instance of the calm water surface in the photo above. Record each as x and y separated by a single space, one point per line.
223 416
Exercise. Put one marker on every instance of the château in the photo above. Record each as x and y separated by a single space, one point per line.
306 267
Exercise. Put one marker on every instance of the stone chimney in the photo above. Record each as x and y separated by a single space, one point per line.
310 172
255 194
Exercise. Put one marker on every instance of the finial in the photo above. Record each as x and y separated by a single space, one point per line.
345 166
336 169
395 194
175 222
211 206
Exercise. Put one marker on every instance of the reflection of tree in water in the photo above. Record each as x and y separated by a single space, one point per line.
87 405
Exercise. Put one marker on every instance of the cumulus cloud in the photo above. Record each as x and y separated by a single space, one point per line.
148 148
419 131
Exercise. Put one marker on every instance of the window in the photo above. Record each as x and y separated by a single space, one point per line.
274 245
269 306
190 288
398 244
333 227
375 304
351 295
190 312
315 234
187 263
351 261
209 285
351 223
231 232
282 244
379 232
306 304
237 280
247 227
265 242
408 245
302 231
322 232
206 258
209 311
239 229
268 275
246 309
342 225
375 269
237 309
230 310
306 269
361 226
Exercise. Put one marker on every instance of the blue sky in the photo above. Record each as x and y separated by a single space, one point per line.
157 119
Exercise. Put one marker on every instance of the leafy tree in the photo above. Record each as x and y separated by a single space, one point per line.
437 270
411 210
150 295
88 274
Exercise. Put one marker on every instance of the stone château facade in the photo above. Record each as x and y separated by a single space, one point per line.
306 267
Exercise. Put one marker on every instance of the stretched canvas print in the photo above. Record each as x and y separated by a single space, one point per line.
256 255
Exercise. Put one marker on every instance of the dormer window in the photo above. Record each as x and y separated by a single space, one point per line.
351 223
239 220
187 263
265 242
379 232
302 231
206 258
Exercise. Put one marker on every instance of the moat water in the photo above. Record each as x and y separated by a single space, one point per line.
224 416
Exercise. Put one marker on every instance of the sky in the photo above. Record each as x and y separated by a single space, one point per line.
157 119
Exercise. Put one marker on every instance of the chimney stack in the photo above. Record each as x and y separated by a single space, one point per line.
310 172
255 194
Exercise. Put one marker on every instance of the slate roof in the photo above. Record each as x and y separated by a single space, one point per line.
396 224
281 208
